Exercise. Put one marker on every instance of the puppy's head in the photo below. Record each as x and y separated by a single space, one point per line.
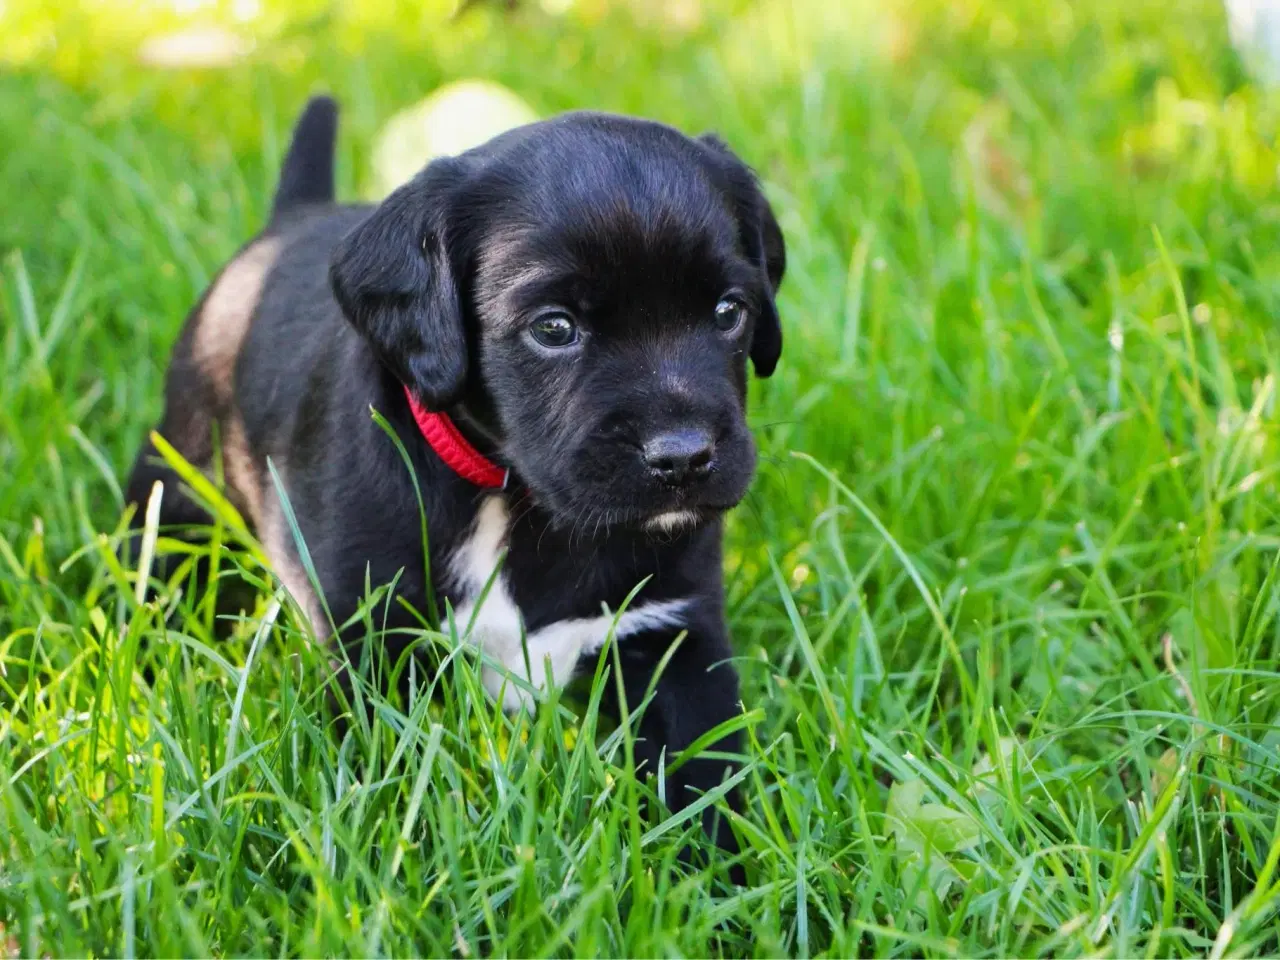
587 292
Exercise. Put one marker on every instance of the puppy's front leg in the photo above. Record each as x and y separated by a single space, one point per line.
696 691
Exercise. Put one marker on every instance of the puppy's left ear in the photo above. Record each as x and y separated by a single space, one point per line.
393 276
762 241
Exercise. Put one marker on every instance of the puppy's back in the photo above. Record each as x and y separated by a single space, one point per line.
253 340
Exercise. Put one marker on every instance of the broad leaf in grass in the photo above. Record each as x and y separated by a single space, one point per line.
928 836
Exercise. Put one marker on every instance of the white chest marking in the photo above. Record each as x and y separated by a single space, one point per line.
497 626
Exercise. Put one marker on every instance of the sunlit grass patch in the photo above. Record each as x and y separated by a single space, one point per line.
1004 595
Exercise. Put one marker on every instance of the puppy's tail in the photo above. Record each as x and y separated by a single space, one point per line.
307 174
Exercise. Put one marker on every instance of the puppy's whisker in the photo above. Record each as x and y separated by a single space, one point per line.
545 527
524 508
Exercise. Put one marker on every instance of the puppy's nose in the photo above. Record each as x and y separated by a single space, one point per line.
681 456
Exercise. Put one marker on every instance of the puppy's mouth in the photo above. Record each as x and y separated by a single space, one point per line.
663 522
682 511
674 521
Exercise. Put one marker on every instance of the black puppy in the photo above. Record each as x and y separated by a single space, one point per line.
557 325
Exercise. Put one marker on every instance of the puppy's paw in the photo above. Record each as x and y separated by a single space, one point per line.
503 688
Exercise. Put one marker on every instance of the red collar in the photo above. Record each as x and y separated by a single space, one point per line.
443 436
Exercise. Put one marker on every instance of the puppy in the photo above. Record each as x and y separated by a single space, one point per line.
557 326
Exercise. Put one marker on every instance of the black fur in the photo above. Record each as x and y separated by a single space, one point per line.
636 230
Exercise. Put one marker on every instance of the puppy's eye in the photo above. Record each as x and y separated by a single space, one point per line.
554 330
730 314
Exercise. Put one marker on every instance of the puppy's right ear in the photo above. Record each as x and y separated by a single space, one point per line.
394 279
762 242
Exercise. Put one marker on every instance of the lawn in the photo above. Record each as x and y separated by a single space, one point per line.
1004 595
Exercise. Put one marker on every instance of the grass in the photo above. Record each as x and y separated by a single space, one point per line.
1004 595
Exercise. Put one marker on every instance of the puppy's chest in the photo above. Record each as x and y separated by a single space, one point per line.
486 615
